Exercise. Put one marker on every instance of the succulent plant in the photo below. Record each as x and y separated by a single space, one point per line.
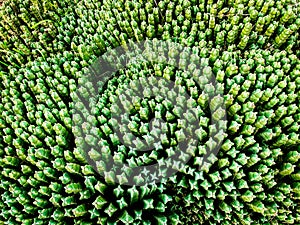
250 47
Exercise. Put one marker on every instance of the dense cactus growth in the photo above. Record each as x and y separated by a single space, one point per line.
252 48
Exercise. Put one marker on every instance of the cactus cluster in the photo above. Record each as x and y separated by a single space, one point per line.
252 49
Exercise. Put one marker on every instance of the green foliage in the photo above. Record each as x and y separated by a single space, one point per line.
252 48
